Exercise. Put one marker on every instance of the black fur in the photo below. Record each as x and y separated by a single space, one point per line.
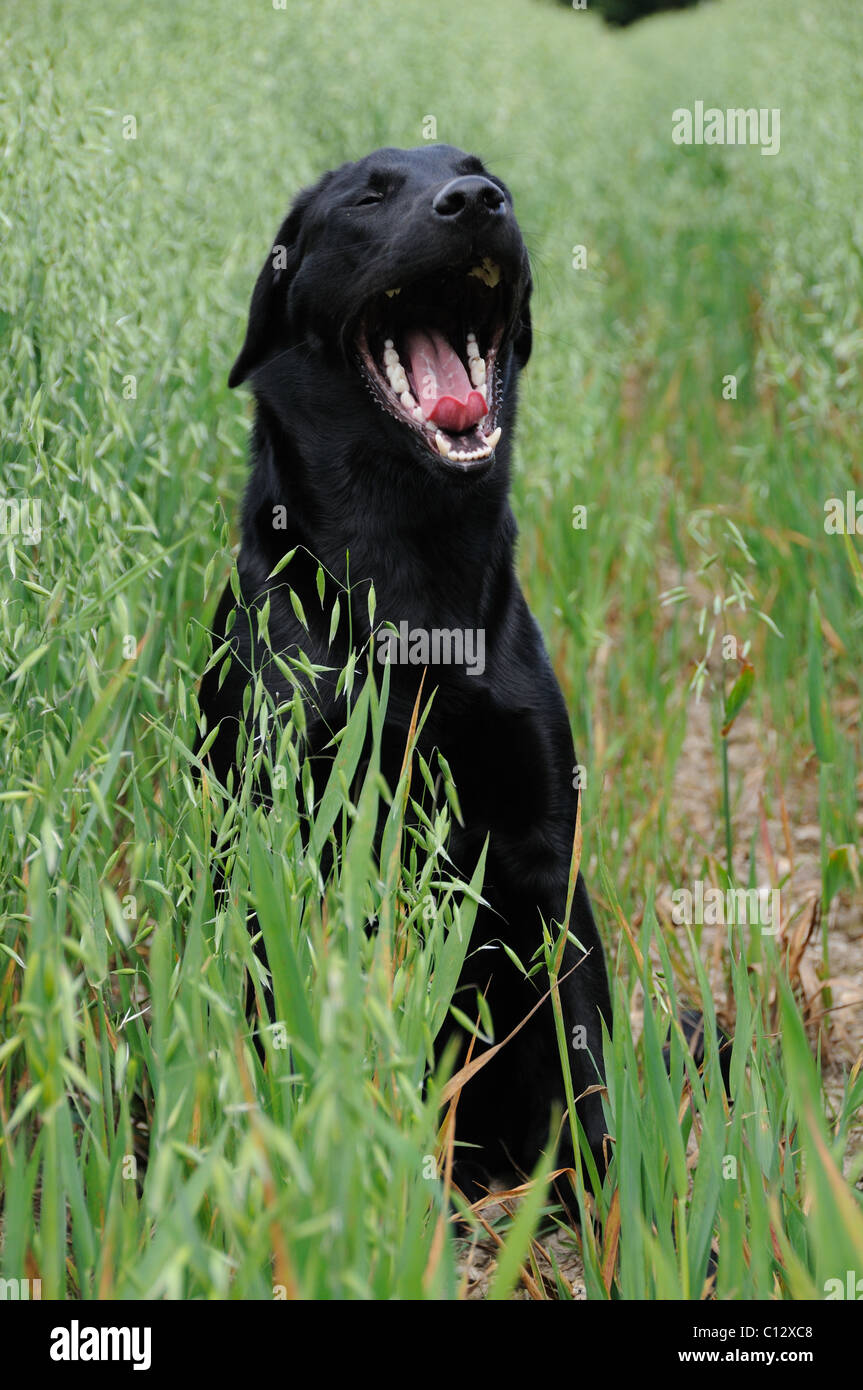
437 539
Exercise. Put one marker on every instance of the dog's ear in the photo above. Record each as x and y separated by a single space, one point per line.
269 297
523 337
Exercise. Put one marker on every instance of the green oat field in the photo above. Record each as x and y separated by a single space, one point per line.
692 406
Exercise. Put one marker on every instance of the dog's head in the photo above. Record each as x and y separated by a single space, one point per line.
396 299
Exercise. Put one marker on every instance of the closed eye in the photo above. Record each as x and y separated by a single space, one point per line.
374 195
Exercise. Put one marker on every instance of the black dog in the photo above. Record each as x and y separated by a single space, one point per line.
387 330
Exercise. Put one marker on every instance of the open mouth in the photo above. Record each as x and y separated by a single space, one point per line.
428 351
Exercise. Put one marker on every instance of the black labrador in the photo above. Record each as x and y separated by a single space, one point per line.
387 331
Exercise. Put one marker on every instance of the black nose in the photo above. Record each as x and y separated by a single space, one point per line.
469 199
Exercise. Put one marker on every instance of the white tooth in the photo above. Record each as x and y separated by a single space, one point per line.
407 400
391 357
442 445
389 293
471 337
388 343
493 439
477 372
399 381
472 347
418 414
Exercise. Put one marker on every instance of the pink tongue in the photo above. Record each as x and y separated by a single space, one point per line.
445 392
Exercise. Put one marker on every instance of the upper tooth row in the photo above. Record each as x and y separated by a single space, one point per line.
475 362
399 382
396 376
398 379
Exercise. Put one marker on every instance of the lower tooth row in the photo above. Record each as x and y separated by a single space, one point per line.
463 455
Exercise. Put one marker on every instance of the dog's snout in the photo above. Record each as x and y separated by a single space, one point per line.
471 198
